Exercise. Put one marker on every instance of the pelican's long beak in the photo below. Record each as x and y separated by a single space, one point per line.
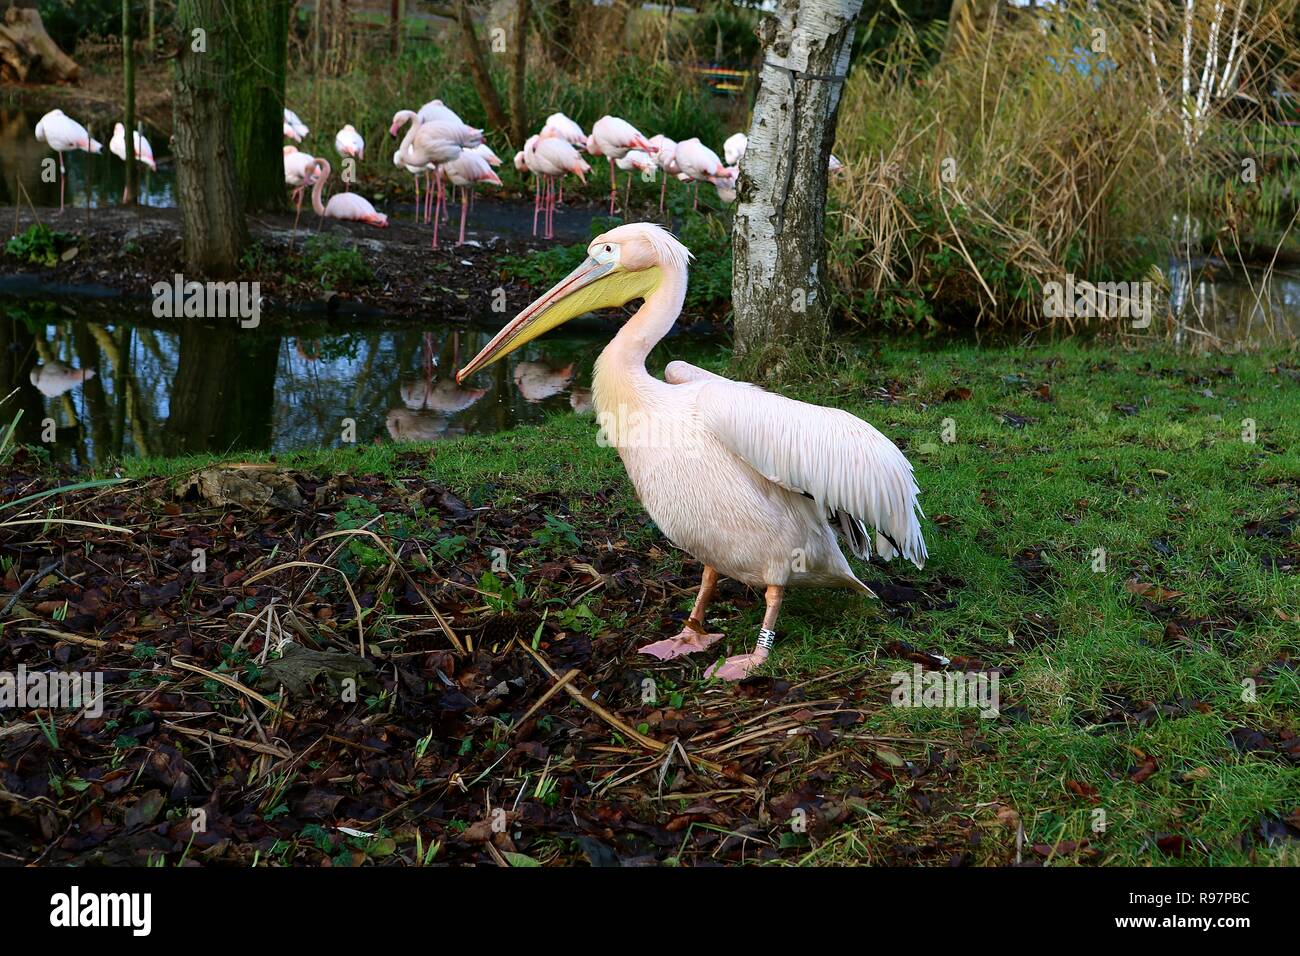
566 300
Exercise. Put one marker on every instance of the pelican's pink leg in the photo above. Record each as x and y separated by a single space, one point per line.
464 203
62 179
417 197
627 196
694 636
613 188
696 203
663 190
561 192
740 666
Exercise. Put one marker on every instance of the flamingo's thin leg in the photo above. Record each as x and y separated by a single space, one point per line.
464 205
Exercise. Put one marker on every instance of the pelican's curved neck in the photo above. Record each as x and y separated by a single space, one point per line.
651 322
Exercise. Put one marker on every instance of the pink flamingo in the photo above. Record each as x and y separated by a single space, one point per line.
343 205
349 145
143 151
727 187
63 134
433 143
551 159
612 137
486 152
636 161
299 172
666 159
700 164
464 172
569 131
416 172
294 128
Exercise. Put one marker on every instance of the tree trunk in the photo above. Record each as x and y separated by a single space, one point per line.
779 232
518 108
131 188
564 26
257 64
224 393
478 70
28 55
212 216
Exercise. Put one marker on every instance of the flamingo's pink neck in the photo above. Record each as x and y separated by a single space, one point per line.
413 125
316 203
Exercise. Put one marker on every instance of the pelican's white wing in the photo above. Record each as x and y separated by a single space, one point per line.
836 458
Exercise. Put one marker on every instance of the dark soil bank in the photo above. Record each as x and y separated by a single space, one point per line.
128 250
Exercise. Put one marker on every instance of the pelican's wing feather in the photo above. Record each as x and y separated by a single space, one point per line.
826 453
682 373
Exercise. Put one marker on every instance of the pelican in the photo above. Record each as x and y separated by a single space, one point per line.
755 486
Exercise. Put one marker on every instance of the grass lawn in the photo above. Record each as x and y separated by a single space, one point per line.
1102 535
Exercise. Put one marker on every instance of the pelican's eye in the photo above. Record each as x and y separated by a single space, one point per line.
605 253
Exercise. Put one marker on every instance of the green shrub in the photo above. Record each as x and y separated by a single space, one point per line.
335 265
40 245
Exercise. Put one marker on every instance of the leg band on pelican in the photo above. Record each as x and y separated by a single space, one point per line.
766 638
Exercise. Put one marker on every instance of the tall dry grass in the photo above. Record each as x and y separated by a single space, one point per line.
1034 149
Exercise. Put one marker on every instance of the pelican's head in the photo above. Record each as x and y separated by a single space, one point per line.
623 264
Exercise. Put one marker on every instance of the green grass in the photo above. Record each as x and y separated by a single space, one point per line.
1137 453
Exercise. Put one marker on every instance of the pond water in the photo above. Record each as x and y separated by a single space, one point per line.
99 178
1256 307
158 390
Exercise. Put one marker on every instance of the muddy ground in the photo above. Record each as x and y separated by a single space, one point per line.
242 723
126 250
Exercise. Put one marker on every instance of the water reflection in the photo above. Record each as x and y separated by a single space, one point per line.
1253 306
102 175
111 382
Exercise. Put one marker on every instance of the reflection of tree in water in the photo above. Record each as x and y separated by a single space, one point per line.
223 397
161 392
17 359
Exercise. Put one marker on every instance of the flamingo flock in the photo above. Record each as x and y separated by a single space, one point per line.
441 149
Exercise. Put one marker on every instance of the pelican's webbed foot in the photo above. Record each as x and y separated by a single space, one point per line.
691 640
738 667
742 665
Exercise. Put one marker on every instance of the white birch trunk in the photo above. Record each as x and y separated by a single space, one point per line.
779 232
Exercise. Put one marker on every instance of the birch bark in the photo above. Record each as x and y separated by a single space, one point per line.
779 232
